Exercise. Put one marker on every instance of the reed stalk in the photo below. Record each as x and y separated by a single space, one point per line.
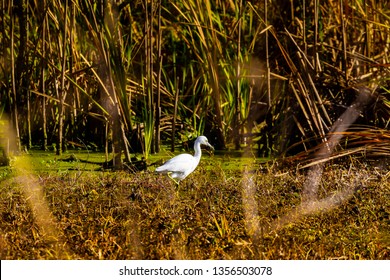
158 91
62 91
43 71
16 146
175 117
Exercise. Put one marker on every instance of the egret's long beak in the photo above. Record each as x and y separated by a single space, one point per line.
209 145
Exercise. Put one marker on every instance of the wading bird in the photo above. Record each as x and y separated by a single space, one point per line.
182 165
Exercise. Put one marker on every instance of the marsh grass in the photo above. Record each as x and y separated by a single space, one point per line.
121 215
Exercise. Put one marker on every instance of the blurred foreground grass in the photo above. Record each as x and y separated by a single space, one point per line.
122 215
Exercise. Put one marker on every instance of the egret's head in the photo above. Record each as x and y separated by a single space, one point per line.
203 141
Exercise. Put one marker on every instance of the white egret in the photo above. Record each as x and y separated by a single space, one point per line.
179 167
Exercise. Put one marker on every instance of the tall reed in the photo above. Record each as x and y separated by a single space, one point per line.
278 72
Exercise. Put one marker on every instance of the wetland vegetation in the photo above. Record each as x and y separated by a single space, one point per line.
122 215
294 96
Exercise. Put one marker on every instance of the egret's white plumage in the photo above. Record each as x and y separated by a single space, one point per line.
182 165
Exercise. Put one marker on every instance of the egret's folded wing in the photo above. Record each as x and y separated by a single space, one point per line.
180 163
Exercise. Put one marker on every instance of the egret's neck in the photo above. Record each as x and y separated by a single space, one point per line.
198 150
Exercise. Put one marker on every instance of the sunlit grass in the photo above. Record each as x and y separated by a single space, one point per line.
121 215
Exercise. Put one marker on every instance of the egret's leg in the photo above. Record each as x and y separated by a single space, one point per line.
177 182
177 188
